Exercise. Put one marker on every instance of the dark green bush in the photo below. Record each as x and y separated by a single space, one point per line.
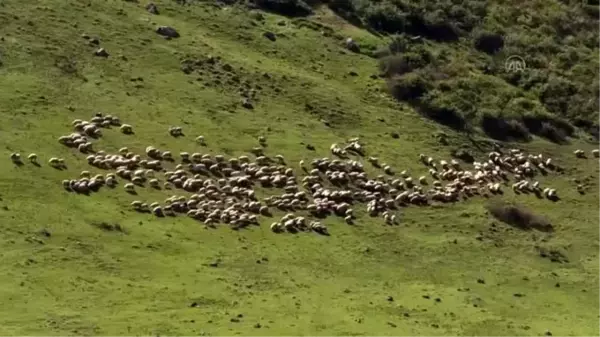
557 93
409 87
518 216
290 8
489 43
505 129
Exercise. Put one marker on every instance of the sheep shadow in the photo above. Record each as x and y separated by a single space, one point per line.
132 192
18 163
292 230
36 164
554 198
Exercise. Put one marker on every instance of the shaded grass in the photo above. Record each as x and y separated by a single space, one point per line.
519 216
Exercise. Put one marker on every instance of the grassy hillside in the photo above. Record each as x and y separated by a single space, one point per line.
67 268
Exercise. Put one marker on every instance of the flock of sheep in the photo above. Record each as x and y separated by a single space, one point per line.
221 190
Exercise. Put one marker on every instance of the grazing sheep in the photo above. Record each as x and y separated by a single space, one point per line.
55 162
15 157
200 140
126 129
276 227
596 153
123 151
175 131
136 204
129 187
157 211
33 158
280 159
579 153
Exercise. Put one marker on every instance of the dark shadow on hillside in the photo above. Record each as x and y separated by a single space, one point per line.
519 216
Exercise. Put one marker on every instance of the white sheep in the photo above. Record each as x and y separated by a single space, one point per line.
32 158
136 204
596 153
126 129
15 157
129 187
200 140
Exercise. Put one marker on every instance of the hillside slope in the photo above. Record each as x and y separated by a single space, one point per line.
90 265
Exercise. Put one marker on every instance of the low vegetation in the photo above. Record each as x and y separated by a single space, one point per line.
519 216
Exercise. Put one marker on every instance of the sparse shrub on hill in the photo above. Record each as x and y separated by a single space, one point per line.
489 43
504 129
519 216
473 86
409 87
290 8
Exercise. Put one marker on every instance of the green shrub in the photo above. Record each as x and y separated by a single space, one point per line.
409 87
489 43
518 216
290 8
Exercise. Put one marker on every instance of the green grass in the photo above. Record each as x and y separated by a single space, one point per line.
88 281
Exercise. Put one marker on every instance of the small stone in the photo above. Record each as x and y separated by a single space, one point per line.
557 285
353 73
395 135
548 333
167 31
480 281
270 35
390 299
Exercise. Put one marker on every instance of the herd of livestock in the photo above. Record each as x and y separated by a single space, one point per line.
214 189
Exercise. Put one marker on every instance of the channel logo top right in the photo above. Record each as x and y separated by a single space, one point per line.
514 63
